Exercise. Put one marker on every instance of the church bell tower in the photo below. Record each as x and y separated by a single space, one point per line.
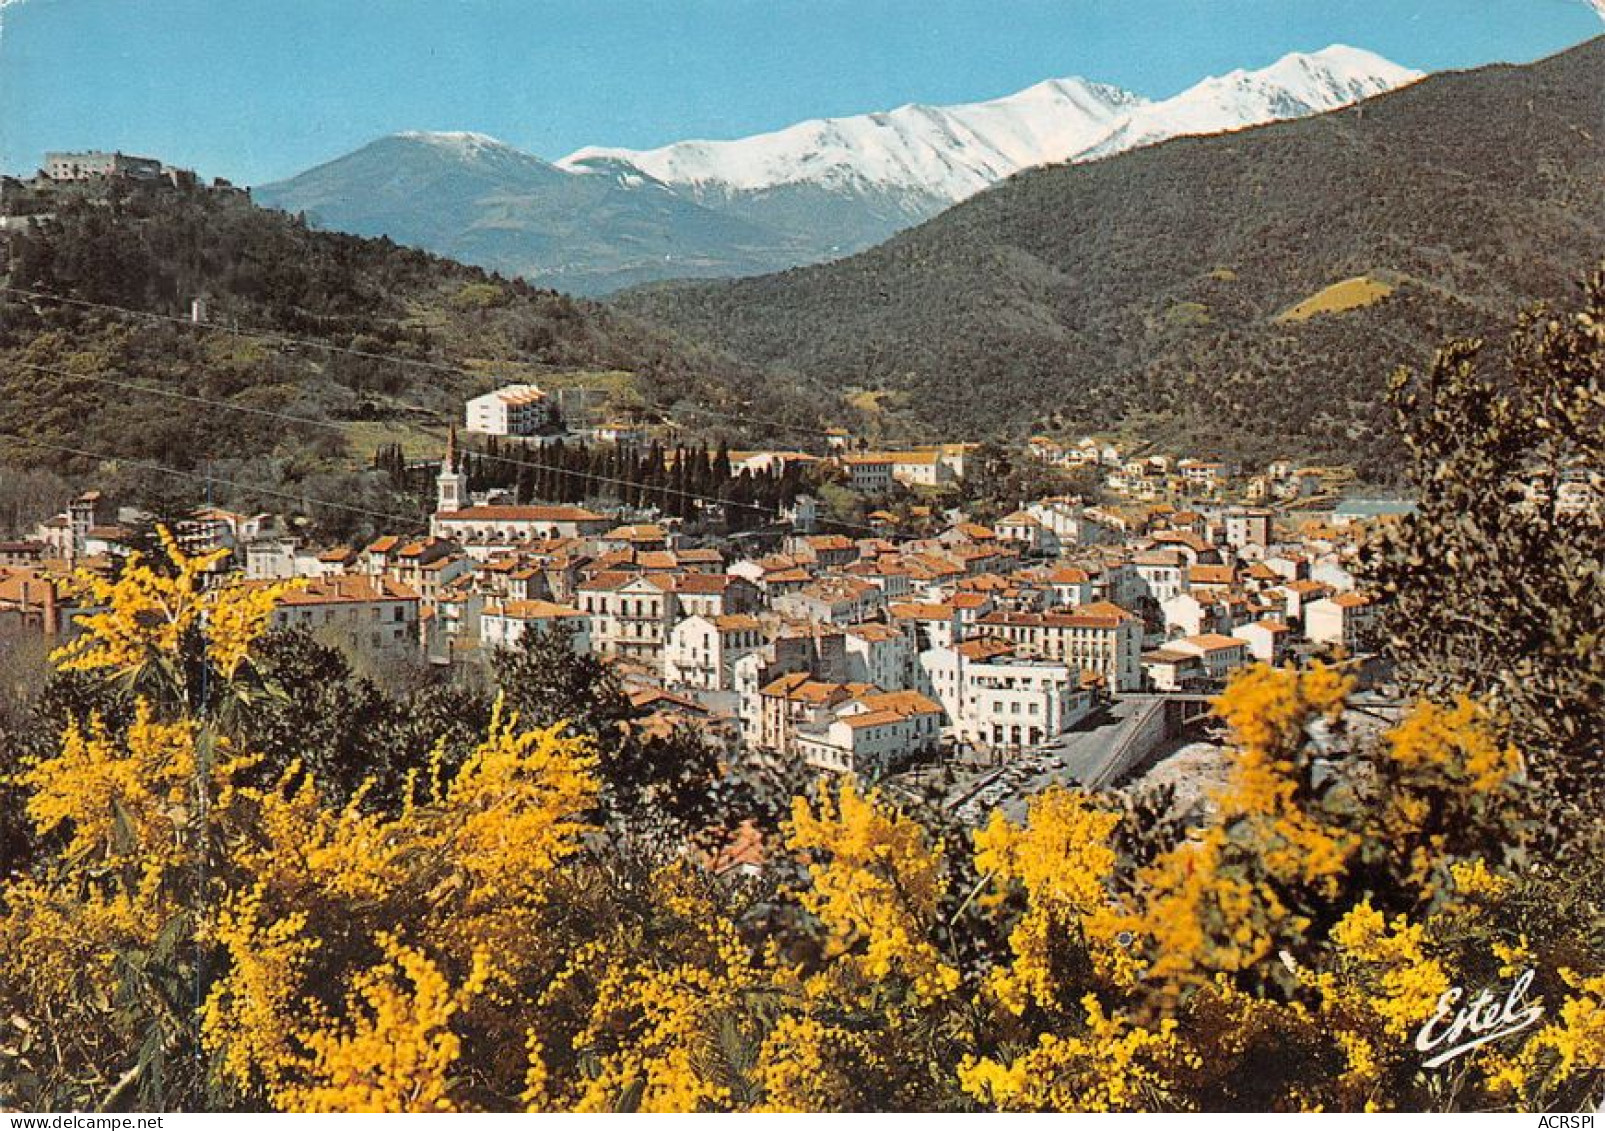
451 488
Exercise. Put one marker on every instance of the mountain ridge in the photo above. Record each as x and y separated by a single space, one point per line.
1140 292
811 191
1034 126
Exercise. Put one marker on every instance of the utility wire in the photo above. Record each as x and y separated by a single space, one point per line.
150 465
336 426
369 355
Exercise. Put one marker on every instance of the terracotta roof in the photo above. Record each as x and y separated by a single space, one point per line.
903 703
871 719
737 622
639 533
607 580
520 514
1307 587
1211 575
346 591
535 610
803 688
1171 558
703 583
984 648
660 698
1099 611
1169 656
1215 642
702 555
26 587
787 576
1269 626
874 631
916 611
742 848
829 542
1069 575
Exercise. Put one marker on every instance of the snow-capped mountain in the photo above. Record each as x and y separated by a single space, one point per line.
950 153
1292 87
481 201
602 218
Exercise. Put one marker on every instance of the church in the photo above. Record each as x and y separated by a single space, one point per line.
486 529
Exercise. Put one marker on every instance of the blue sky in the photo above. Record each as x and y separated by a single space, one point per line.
255 90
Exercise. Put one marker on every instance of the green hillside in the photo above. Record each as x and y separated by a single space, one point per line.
423 332
1143 291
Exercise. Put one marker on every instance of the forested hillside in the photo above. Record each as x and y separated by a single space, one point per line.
414 333
1182 291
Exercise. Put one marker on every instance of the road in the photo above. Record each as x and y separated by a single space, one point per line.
1082 756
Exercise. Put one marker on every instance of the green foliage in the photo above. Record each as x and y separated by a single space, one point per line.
655 785
478 296
1064 289
153 250
1495 584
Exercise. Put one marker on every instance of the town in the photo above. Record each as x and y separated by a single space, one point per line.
1077 640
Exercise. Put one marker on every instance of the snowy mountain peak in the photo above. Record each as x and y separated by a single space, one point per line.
454 139
947 153
1295 86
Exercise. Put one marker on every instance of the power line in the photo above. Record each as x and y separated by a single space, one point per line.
173 394
369 355
259 335
335 426
151 465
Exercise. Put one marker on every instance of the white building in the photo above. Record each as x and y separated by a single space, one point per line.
1010 704
1027 531
922 469
484 531
630 614
1170 670
879 654
1247 526
1267 640
870 734
512 410
868 473
1342 620
505 625
372 614
1100 637
1163 573
702 651
1221 655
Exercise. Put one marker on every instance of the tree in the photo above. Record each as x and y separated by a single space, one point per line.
196 933
1494 586
662 785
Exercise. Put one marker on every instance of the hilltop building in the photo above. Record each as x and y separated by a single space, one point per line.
512 410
